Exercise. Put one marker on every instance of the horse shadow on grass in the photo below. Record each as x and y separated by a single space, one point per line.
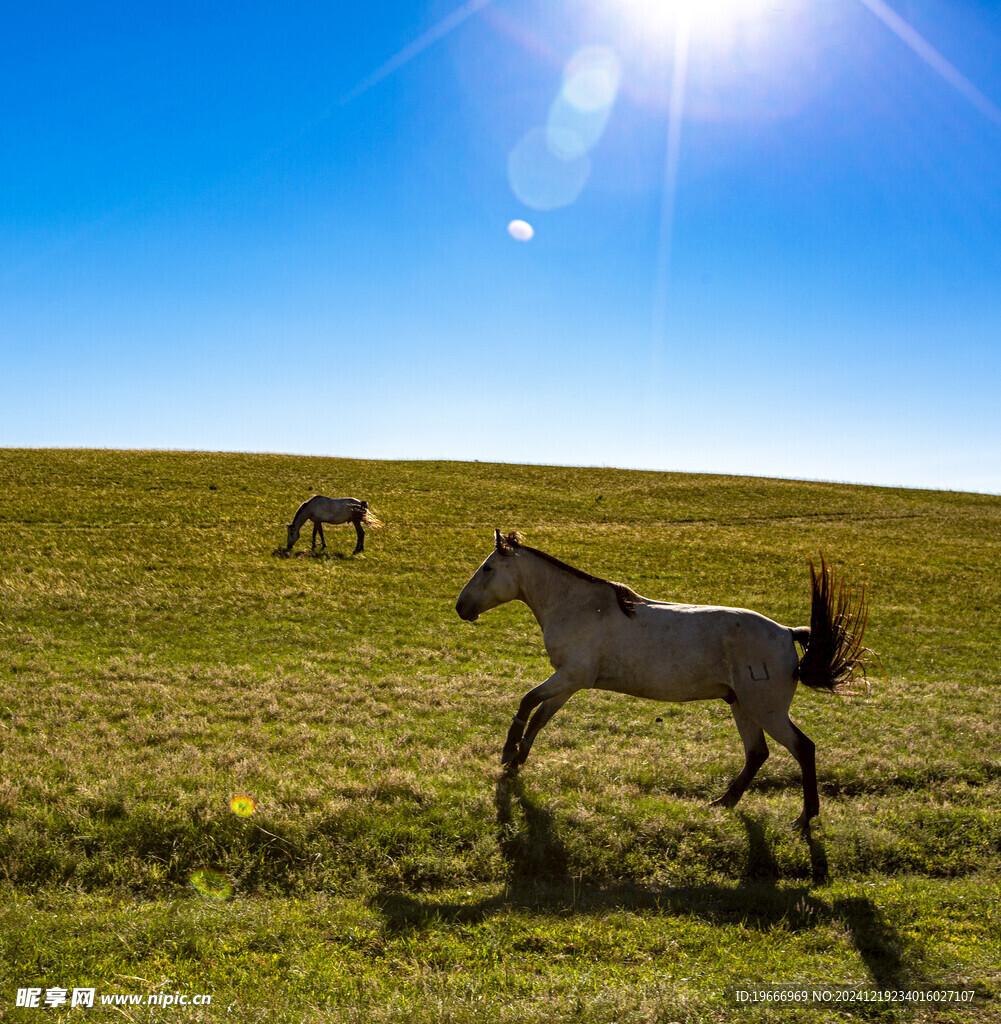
539 877
317 556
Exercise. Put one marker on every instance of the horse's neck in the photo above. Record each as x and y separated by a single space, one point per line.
302 514
549 590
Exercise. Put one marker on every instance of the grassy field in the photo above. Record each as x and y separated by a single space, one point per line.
157 658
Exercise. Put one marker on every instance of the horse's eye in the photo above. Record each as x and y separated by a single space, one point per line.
488 568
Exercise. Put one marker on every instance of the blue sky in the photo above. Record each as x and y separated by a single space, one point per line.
764 243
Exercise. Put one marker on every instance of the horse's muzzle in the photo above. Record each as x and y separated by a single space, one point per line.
465 613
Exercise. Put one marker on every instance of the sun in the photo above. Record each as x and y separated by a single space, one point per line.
657 17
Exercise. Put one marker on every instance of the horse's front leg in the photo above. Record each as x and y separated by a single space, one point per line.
551 695
318 529
543 713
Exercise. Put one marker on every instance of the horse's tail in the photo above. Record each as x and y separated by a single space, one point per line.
835 656
368 518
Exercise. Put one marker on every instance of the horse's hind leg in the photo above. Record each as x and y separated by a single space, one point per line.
360 546
779 726
755 755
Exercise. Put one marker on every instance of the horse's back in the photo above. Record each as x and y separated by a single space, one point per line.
706 618
332 510
691 652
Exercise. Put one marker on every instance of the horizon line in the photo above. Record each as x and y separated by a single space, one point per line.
502 462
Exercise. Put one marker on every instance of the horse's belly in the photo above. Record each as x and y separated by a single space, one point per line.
671 676
675 688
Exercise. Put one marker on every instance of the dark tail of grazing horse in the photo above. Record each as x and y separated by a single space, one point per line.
367 518
834 656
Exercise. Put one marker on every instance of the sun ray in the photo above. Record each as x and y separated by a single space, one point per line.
912 38
676 119
437 31
674 124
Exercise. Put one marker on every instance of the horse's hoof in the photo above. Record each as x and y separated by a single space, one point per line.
724 801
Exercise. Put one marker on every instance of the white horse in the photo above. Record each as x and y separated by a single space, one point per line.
334 511
602 634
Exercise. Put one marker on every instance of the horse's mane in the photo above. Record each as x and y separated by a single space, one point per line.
626 597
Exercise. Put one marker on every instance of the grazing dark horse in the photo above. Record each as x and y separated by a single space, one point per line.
334 511
601 634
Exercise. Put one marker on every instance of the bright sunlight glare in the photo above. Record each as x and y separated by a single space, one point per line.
661 16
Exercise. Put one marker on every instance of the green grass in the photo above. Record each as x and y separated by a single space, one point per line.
157 658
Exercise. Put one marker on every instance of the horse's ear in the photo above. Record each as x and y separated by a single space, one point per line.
507 544
502 543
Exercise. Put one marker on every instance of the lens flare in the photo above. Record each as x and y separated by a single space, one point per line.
242 805
521 230
541 178
550 166
579 114
212 884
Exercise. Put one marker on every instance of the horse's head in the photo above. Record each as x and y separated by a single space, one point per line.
292 535
495 582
